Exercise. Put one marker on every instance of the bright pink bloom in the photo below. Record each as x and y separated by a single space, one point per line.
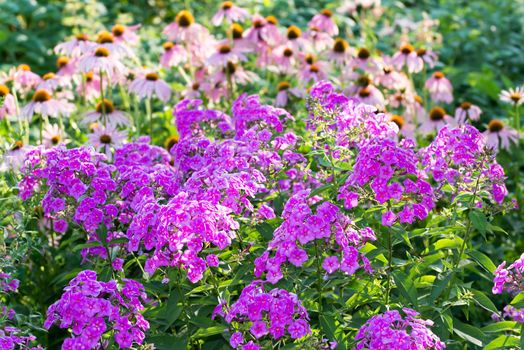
467 111
230 12
499 135
173 55
185 29
106 113
75 47
102 60
148 84
324 22
7 103
45 105
125 34
104 139
224 54
440 88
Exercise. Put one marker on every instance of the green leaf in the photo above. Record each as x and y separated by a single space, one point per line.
518 300
87 245
447 243
479 220
483 260
327 322
439 287
209 331
469 333
500 327
406 287
169 342
484 302
522 337
119 241
172 311
502 341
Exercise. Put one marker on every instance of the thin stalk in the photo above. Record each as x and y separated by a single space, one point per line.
21 128
390 266
7 126
517 118
184 304
319 278
229 87
468 228
149 117
84 89
517 172
41 118
102 98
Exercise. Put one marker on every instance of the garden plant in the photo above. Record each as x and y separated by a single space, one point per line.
227 176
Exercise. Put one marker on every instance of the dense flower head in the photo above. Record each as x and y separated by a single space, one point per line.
76 183
8 283
11 337
391 170
179 232
92 308
339 238
509 278
346 119
191 119
393 331
276 313
247 111
459 156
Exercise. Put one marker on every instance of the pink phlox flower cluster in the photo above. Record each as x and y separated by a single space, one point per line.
92 308
509 279
349 121
8 284
459 156
392 331
178 233
339 238
276 313
190 119
391 171
247 112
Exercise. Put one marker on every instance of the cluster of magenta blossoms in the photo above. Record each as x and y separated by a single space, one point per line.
510 279
92 309
390 169
257 314
339 238
11 337
460 157
334 115
178 232
78 176
393 331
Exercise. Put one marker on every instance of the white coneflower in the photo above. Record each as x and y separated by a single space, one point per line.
513 96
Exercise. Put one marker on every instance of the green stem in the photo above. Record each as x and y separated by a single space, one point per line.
319 278
41 128
390 266
468 228
102 98
229 87
149 117
517 118
184 304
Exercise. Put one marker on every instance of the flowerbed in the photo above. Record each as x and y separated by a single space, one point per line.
156 202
